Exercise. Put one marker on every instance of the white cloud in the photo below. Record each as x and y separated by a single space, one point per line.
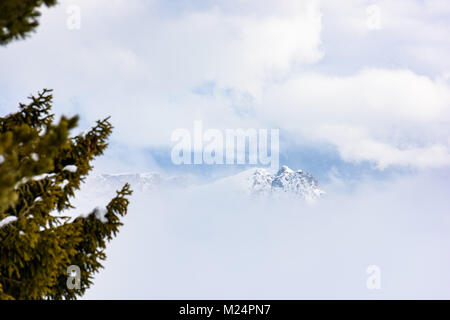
354 145
412 35
139 63
211 245
236 51
389 117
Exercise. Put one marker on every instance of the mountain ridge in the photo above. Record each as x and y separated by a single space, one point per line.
255 182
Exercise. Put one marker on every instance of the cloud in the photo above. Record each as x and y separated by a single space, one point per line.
388 117
140 63
235 49
411 35
216 245
355 146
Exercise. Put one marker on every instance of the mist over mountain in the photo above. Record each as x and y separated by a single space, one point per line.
254 183
285 183
221 240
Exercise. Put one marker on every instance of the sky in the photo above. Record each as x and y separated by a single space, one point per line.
359 85
360 93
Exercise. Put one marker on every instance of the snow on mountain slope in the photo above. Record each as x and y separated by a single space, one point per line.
298 183
252 183
258 182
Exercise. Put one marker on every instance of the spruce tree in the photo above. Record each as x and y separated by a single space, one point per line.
19 17
41 167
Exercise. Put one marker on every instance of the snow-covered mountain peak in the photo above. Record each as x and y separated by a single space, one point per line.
284 183
298 183
285 169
